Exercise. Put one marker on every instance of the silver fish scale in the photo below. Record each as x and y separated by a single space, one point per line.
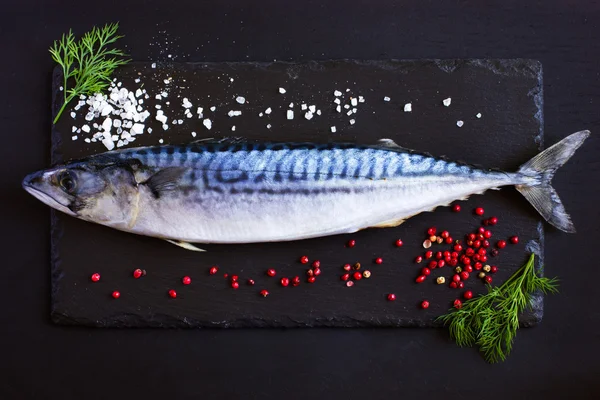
228 165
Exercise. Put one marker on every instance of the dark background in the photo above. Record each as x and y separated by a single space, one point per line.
559 358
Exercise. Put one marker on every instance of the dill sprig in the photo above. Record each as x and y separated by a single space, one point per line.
491 320
87 63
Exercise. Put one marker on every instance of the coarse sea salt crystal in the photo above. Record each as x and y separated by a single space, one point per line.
318 112
137 129
338 109
165 127
74 137
268 111
117 123
308 115
164 94
114 138
207 123
108 143
233 128
303 107
408 107
234 113
180 121
161 141
158 97
349 113
193 134
73 129
337 93
149 130
138 93
268 126
352 122
213 108
447 101
333 129
478 115
312 108
290 114
186 103
240 99
137 80
199 110
291 105
361 99
346 106
459 123
354 102
337 101
73 115
386 98
85 128
107 124
153 65
281 90
87 140
260 114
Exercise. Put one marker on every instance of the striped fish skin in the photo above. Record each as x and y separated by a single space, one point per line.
240 193
232 192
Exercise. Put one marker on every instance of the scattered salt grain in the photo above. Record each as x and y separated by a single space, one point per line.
386 98
318 112
153 65
165 127
233 128
164 94
87 140
346 106
260 114
459 123
303 107
117 123
349 113
291 105
354 102
268 126
281 90
160 141
213 108
86 128
73 114
193 134
447 101
338 109
73 129
408 107
354 110
337 101
61 88
333 129
290 114
137 129
233 113
352 122
186 103
207 123
149 130
478 115
268 111
240 99
138 93
308 115
137 80
74 137
180 121
361 99
337 93
312 109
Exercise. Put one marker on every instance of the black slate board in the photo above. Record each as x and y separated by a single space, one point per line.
507 92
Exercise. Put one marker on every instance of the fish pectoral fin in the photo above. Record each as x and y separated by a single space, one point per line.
389 144
185 245
164 180
389 224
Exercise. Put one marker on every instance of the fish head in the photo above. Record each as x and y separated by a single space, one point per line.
103 193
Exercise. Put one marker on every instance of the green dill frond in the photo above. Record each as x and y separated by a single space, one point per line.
491 321
88 63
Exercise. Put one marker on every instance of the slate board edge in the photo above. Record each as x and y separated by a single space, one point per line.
502 66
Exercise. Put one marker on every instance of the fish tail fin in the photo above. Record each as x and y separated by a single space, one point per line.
541 168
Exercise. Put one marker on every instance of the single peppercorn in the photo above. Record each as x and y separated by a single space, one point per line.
304 259
213 270
95 277
488 279
311 279
357 276
461 284
317 271
357 266
481 275
424 304
235 284
493 269
284 282
425 271
399 243
391 297
349 283
492 221
347 267
431 231
487 268
345 277
309 272
453 285
116 294
441 263
172 294
464 275
479 211
351 243
501 244
295 281
137 273
418 259
316 264
186 280
271 272
457 304
494 252
514 239
456 208
264 293
440 280
378 260
420 278
250 282
468 295
366 274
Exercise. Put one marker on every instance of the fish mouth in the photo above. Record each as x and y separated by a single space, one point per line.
42 196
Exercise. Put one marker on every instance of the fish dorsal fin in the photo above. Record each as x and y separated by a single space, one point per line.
225 140
164 180
185 245
389 144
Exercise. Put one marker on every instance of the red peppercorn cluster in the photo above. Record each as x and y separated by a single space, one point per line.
350 278
313 272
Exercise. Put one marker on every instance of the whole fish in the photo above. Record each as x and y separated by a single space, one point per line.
242 192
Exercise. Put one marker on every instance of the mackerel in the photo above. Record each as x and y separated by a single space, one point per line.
232 191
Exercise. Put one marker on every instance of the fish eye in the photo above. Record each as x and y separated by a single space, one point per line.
66 180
